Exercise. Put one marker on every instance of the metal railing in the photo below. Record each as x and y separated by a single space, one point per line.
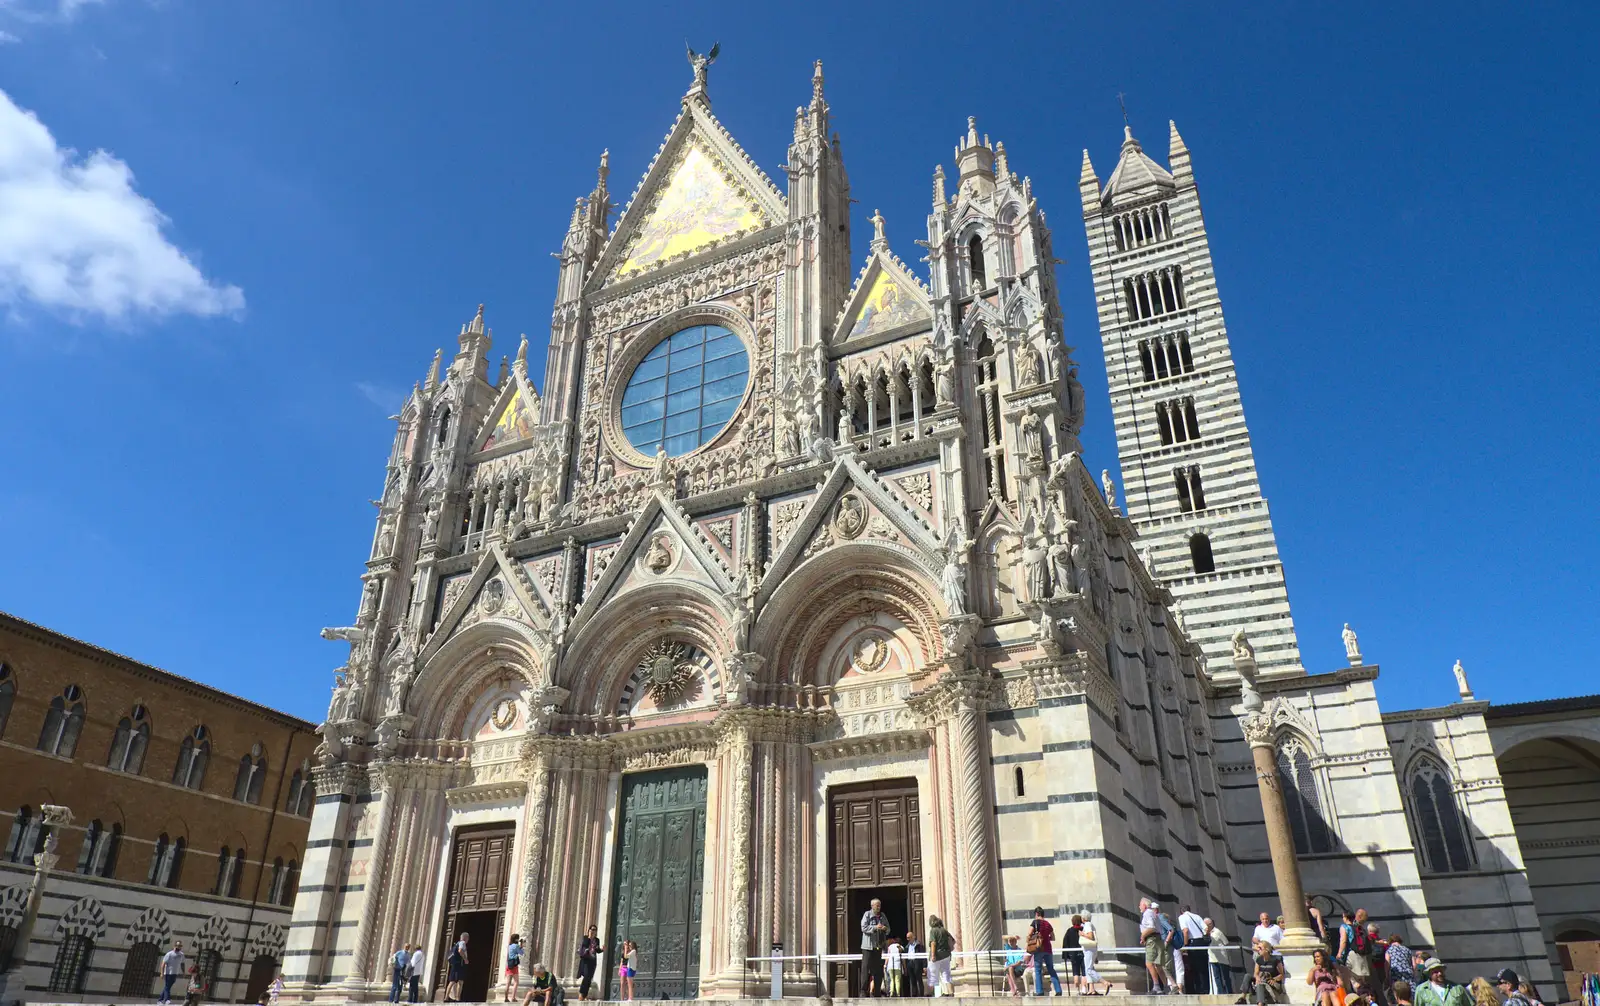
985 974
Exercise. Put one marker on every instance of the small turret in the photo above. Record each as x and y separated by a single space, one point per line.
1178 156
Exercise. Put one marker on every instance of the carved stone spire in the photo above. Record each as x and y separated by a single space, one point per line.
432 380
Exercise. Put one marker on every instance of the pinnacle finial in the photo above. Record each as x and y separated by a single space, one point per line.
816 82
505 368
1004 165
1087 174
972 130
605 169
938 187
476 327
522 355
432 380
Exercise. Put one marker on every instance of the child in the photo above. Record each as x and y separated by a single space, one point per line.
1016 963
893 956
275 990
628 968
197 988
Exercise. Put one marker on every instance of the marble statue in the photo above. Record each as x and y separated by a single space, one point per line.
1352 650
953 578
1461 682
1109 486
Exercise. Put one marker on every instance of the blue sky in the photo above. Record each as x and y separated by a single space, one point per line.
203 330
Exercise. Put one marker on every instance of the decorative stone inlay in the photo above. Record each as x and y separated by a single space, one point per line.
784 518
919 489
722 531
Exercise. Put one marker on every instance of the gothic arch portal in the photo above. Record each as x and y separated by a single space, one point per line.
606 653
846 581
482 657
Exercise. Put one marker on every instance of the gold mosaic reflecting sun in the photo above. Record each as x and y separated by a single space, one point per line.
699 207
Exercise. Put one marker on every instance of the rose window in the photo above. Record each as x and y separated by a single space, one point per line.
685 390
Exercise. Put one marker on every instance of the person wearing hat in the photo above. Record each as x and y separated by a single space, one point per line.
1509 984
1435 990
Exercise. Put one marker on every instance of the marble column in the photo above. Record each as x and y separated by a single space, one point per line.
1299 939
535 828
13 984
736 756
386 779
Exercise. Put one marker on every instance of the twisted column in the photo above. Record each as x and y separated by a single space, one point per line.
975 825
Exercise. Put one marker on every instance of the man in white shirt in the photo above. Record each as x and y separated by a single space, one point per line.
417 963
1194 954
172 968
1269 931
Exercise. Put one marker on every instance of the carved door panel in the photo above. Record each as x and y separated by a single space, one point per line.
480 868
660 875
875 841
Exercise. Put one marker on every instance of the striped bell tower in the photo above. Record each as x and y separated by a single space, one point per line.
1188 472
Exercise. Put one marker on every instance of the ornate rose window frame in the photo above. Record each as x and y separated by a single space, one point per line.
646 340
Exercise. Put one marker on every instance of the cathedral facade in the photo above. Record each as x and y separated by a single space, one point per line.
789 588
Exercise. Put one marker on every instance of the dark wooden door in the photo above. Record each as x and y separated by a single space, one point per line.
480 874
660 873
874 851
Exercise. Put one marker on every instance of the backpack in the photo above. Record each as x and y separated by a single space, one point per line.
455 955
1034 940
1361 943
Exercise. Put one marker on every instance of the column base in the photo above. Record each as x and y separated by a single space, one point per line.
1296 950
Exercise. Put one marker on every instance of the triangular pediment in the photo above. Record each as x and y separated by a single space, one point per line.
662 545
701 191
471 597
886 301
514 415
879 513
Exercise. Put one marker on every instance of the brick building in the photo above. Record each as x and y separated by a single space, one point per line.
190 814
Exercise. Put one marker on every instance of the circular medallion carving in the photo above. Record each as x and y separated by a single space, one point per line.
505 712
658 558
850 519
870 653
494 596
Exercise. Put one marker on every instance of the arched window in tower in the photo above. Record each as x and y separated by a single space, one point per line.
129 742
980 275
1200 554
98 857
1018 780
252 773
1298 781
1434 808
1191 496
275 888
62 723
8 695
1191 421
994 459
195 752
441 436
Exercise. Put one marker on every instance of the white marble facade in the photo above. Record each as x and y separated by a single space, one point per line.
890 563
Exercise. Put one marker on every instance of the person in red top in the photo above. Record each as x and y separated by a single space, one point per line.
1040 936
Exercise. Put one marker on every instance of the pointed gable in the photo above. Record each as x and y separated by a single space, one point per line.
887 299
700 192
515 420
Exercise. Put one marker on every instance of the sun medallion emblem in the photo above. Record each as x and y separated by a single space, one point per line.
668 671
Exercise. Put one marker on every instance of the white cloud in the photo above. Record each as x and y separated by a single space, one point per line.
6 38
386 399
44 11
75 237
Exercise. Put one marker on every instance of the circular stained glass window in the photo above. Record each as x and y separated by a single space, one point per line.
684 391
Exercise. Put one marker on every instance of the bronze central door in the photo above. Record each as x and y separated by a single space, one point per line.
660 873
